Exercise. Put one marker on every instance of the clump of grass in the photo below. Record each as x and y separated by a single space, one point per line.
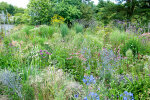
64 30
116 38
78 28
27 29
46 31
54 84
132 43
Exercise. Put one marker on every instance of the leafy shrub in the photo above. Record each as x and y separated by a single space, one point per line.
134 44
138 85
7 55
64 30
78 28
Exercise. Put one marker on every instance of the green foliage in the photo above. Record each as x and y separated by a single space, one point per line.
27 29
134 44
121 37
34 54
127 10
28 92
137 85
93 43
78 28
40 11
46 31
10 8
64 30
67 11
129 54
38 40
87 12
74 66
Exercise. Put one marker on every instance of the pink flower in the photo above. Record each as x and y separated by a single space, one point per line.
47 53
77 53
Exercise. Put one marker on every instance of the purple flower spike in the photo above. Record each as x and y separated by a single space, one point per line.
50 54
40 50
41 53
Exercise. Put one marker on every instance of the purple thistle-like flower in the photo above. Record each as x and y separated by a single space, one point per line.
40 50
41 53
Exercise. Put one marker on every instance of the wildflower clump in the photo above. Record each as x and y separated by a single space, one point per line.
127 96
92 96
89 80
44 57
44 53
56 19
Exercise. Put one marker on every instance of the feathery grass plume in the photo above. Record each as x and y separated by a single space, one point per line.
54 84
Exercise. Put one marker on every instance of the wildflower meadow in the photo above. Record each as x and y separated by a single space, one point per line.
66 50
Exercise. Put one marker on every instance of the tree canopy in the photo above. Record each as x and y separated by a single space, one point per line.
41 11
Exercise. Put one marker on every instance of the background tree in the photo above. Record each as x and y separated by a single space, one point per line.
40 11
124 10
67 10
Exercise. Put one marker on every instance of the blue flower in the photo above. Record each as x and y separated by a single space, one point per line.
85 98
76 95
93 96
127 95
125 98
89 80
